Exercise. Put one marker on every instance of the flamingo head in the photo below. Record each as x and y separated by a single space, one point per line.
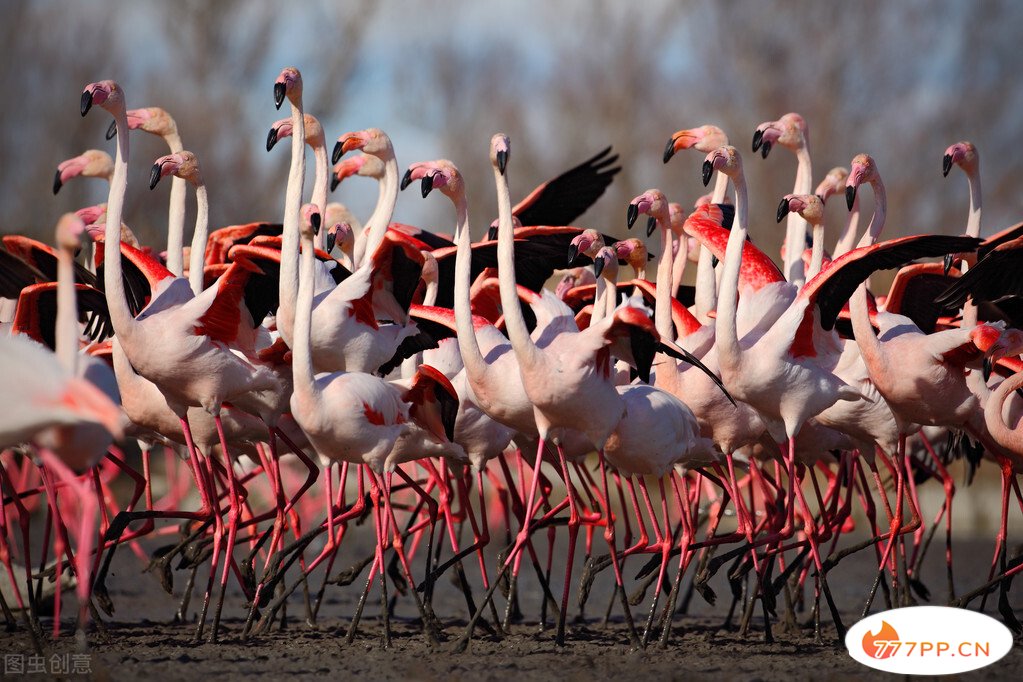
283 128
862 169
183 164
587 242
70 232
440 174
676 217
810 206
363 165
153 120
653 203
605 262
495 224
93 163
90 215
371 141
310 220
431 271
500 148
704 139
833 183
107 94
725 159
789 131
633 251
342 235
963 154
288 84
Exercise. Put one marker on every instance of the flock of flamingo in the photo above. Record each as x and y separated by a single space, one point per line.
433 384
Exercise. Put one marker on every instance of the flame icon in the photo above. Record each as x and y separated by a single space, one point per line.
877 646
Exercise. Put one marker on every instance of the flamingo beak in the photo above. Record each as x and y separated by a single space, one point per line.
765 149
271 139
492 233
338 150
631 214
112 130
315 221
155 175
334 182
850 196
427 185
708 171
406 179
57 184
86 102
279 90
331 238
502 160
651 225
573 251
783 210
988 365
669 150
949 261
598 266
946 165
758 138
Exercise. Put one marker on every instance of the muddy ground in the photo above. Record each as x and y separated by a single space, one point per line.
143 642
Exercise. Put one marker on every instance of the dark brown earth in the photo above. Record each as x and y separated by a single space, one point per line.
142 642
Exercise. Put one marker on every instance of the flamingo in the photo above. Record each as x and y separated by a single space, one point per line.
92 163
315 139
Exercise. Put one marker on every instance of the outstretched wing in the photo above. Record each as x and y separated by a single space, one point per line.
36 313
563 199
996 276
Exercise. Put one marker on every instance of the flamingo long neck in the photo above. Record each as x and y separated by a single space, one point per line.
292 202
662 300
468 345
197 255
795 227
852 226
972 230
1010 439
67 312
176 215
706 283
120 316
301 358
678 266
610 296
866 339
726 330
319 197
376 227
817 255
515 324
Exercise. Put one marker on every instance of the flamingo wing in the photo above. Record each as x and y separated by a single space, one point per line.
141 274
996 276
561 200
221 240
914 291
36 313
43 258
685 322
16 274
433 402
1010 233
431 240
222 316
710 224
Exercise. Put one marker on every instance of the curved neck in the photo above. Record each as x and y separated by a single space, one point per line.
292 203
599 302
662 299
1010 439
852 225
973 225
120 316
197 255
67 312
795 227
706 298
468 346
726 332
678 266
376 227
880 210
611 297
176 216
319 197
514 322
301 353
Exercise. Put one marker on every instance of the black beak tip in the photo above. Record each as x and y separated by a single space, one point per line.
112 130
427 185
154 176
948 262
765 149
669 150
57 184
598 267
279 91
946 165
758 138
631 214
988 365
331 237
314 220
405 179
334 182
86 102
714 261
492 233
502 161
850 197
271 139
573 251
783 210
708 170
651 225
335 155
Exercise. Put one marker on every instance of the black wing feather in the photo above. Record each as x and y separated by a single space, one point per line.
567 196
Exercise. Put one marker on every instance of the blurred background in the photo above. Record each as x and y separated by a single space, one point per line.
898 80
